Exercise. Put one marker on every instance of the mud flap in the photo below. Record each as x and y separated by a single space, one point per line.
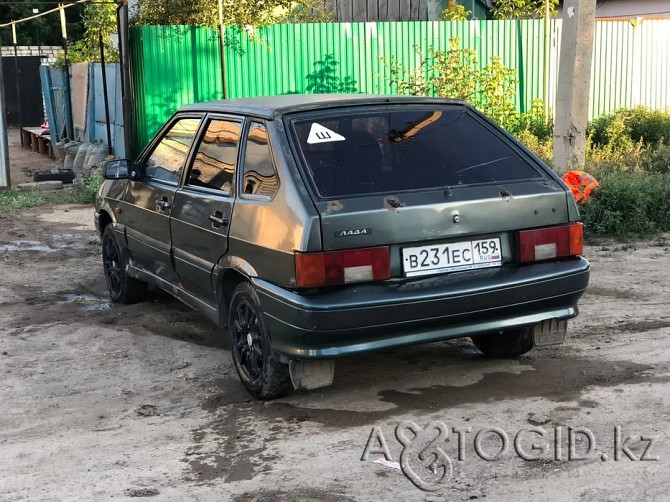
311 374
550 332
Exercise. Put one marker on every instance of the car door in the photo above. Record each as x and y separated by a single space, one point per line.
203 206
150 196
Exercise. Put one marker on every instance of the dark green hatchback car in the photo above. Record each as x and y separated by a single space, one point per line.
319 226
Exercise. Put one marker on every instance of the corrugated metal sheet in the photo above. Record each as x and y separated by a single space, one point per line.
99 129
172 66
287 58
177 65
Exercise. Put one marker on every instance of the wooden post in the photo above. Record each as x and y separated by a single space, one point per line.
18 80
5 178
69 127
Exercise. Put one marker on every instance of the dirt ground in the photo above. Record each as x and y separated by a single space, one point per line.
102 401
23 162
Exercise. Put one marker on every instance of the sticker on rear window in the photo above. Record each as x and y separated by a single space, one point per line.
321 134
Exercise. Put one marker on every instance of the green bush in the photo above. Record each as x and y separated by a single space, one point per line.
459 13
657 160
641 124
628 204
543 148
455 73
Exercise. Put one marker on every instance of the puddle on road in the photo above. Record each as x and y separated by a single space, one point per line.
556 379
59 242
22 245
88 303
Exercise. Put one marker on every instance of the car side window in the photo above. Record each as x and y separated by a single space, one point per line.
168 158
259 175
214 163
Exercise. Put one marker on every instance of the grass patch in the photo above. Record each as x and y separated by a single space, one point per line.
82 193
628 204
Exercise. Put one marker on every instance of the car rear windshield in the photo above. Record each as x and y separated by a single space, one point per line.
404 148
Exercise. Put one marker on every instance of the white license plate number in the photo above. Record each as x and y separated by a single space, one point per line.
441 258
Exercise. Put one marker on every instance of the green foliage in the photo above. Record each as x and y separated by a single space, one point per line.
657 160
452 73
619 152
234 12
523 9
536 123
458 13
628 204
497 85
82 193
633 199
455 73
641 123
325 79
98 19
542 147
43 30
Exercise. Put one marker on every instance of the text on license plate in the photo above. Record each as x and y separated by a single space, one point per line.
439 258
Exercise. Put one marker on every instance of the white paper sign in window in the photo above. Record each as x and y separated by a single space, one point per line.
321 134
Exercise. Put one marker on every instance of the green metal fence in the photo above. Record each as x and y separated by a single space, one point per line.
177 65
171 66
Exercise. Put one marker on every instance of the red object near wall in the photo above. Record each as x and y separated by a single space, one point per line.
581 184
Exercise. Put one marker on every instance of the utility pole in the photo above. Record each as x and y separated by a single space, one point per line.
69 128
574 82
547 71
5 181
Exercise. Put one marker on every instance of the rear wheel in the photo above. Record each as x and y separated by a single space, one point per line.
505 345
122 289
259 370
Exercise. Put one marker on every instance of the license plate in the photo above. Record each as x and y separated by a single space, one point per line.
550 332
441 258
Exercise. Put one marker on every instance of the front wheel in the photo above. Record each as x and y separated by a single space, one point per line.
505 345
122 289
260 372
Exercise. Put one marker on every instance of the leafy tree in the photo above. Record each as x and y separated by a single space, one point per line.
44 30
458 13
523 9
454 12
97 19
235 12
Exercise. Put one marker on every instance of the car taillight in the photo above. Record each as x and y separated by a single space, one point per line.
333 268
552 242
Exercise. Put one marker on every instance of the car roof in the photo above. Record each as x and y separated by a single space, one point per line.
272 106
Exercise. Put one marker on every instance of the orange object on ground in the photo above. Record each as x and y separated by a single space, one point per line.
581 184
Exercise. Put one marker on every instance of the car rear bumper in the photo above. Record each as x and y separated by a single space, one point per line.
378 316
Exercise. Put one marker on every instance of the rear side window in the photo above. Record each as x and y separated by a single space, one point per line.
404 148
168 158
259 176
214 163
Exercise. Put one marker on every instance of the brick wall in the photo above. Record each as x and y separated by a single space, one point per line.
48 51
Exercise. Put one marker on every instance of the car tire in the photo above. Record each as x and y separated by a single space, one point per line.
505 345
258 368
122 289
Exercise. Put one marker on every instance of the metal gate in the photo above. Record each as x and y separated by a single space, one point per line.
28 110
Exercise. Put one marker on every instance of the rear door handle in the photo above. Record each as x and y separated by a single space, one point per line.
164 204
217 219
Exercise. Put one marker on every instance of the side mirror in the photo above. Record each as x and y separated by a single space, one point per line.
117 169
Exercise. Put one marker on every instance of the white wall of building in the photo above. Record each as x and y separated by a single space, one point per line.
632 8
